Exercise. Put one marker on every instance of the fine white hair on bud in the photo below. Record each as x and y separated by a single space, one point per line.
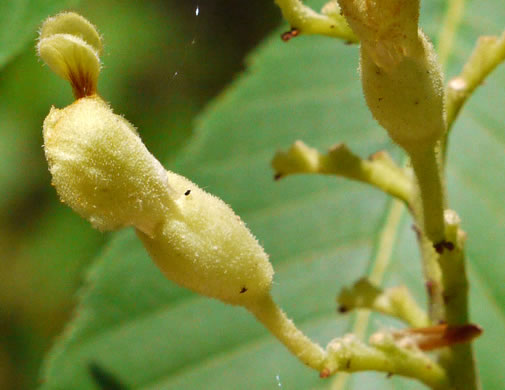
207 248
101 168
408 100
387 28
71 46
103 171
72 24
402 80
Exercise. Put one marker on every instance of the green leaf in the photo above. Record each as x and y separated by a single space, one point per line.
141 331
19 20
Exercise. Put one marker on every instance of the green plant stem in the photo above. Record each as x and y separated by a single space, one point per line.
308 21
276 321
380 171
397 302
448 297
431 201
458 359
452 265
379 265
433 279
487 55
459 362
349 354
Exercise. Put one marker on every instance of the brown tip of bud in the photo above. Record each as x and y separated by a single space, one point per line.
325 373
294 32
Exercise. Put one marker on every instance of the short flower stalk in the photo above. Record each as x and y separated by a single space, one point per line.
395 302
304 20
379 170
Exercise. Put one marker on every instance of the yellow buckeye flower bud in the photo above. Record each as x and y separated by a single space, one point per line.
103 171
101 168
401 78
407 100
72 24
387 29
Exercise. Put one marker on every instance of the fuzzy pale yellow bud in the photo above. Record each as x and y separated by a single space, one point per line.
408 99
401 78
206 247
387 29
101 168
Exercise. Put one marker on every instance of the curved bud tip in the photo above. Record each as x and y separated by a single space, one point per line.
70 46
72 24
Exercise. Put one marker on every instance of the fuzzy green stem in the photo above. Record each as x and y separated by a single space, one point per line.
487 55
276 321
395 301
349 354
380 263
426 165
452 265
459 362
379 170
308 21
433 279
458 359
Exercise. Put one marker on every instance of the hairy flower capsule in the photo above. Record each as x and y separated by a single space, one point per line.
101 169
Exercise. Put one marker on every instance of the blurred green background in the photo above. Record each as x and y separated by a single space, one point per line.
177 63
162 65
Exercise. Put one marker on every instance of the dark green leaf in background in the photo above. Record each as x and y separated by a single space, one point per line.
19 21
322 233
